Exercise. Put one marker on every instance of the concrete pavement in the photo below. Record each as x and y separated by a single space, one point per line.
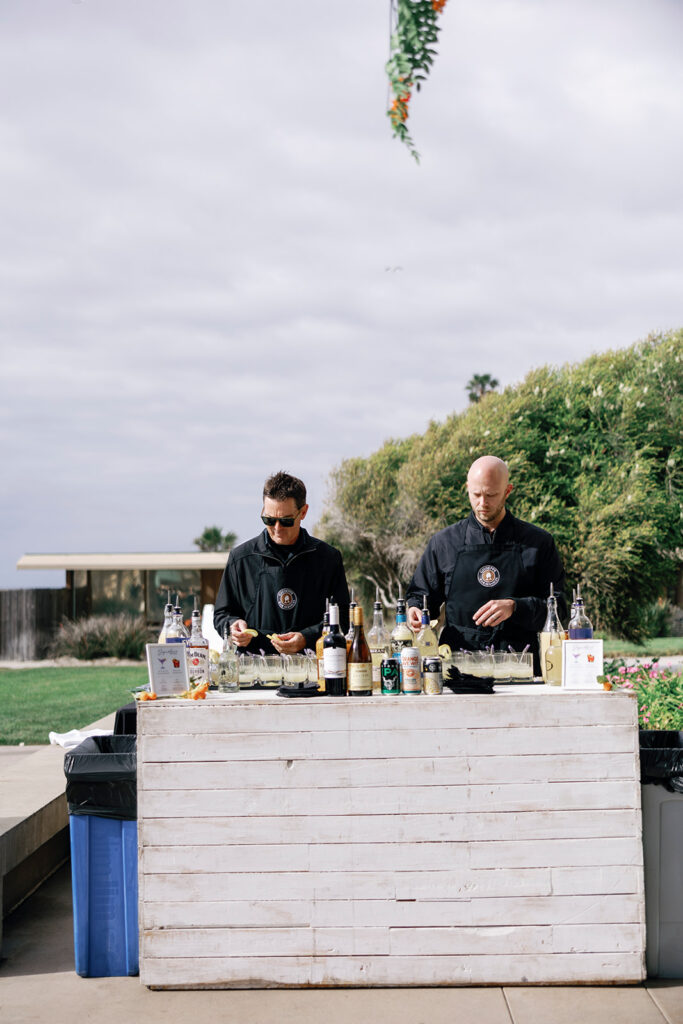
38 985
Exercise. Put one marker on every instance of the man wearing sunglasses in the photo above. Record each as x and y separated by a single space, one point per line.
277 583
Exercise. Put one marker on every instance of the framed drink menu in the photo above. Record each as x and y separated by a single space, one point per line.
581 664
167 669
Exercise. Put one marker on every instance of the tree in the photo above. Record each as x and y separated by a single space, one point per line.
213 539
595 456
479 385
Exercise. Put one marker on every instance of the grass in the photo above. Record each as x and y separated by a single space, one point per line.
658 647
37 701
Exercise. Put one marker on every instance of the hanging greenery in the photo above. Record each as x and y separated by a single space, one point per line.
414 32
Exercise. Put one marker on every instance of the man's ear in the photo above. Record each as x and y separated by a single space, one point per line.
304 510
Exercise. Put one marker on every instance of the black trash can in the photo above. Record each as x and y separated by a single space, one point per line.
101 793
661 775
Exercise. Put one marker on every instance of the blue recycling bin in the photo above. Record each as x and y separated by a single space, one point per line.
102 801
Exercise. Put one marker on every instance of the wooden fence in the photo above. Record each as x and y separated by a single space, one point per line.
28 619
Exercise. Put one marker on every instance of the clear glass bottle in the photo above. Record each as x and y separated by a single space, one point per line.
580 626
401 635
552 634
197 650
168 618
349 636
228 666
359 666
426 640
379 643
334 657
176 632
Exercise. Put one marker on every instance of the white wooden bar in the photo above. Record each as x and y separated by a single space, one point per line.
454 840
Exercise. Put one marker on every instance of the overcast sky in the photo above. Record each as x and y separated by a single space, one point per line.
199 204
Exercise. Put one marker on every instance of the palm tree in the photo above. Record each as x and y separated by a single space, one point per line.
479 385
213 539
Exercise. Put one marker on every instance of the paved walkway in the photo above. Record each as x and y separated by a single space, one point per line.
38 985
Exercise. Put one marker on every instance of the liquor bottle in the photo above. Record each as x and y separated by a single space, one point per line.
319 646
168 618
228 666
552 634
401 634
379 643
334 656
580 626
359 667
197 650
349 635
176 632
426 641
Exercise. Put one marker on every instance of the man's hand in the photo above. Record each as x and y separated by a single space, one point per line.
289 643
494 612
414 618
239 635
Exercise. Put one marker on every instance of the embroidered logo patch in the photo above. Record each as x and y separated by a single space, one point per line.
286 599
488 576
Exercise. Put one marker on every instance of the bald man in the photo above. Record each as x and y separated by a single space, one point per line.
492 570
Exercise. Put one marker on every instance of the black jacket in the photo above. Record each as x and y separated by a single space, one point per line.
540 559
281 590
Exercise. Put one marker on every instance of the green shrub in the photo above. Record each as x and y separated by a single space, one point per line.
101 636
659 692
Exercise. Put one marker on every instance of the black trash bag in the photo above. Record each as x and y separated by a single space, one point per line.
661 758
101 777
461 682
126 720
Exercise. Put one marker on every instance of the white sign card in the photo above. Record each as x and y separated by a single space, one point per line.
167 668
581 664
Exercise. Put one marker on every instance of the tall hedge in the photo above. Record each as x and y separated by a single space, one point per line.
595 456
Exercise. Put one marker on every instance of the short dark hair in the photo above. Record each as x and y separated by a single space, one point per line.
281 486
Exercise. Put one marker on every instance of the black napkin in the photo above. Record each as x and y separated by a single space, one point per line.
460 682
300 690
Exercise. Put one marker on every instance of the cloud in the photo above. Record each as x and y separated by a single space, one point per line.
199 203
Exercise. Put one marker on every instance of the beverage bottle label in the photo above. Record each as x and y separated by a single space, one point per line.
334 662
360 676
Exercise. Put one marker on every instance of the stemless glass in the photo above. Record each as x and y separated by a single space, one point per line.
296 669
271 670
248 670
501 666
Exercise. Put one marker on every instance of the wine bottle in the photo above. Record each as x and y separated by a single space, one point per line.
349 635
359 667
334 656
319 646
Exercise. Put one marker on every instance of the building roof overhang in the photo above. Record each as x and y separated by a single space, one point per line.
128 560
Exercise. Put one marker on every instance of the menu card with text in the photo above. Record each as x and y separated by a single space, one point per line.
167 668
581 664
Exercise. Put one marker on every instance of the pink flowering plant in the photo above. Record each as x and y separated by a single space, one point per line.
659 692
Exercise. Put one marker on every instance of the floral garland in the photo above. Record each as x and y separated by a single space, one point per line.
414 32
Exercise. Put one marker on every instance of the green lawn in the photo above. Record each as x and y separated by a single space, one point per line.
36 701
658 647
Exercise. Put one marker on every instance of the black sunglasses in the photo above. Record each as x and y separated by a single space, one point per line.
282 520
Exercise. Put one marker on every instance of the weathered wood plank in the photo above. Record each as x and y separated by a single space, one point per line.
558 853
368 744
397 771
386 828
382 883
385 714
374 941
504 969
484 912
399 800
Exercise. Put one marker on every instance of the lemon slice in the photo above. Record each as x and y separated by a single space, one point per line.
252 632
444 651
273 636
